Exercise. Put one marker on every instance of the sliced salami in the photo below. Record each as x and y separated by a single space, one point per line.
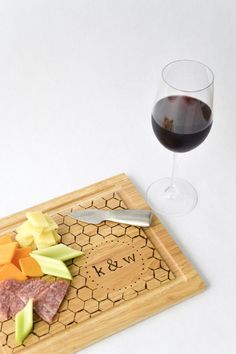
12 285
32 289
10 304
16 304
49 301
47 297
4 304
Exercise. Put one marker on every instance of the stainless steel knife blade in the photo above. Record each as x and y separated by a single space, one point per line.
130 217
91 216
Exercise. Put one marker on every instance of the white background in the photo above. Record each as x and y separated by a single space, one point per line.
77 84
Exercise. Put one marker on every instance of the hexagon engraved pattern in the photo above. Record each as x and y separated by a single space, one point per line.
129 266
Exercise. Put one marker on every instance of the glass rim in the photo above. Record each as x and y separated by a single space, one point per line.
188 60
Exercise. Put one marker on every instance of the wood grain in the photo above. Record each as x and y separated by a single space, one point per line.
127 273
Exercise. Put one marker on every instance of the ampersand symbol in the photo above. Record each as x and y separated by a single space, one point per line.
112 265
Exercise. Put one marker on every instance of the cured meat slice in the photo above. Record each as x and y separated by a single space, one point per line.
14 295
49 301
12 285
4 304
47 297
16 304
32 288
10 304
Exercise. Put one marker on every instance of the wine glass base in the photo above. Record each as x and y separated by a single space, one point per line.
176 201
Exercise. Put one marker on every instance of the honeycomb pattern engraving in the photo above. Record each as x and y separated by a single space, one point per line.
120 263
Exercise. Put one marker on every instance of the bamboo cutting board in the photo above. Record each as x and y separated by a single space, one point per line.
127 274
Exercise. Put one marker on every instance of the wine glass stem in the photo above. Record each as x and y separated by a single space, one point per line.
171 191
172 180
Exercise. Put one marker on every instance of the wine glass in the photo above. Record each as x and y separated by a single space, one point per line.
181 120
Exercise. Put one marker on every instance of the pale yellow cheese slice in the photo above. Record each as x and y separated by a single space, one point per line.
46 239
39 231
27 229
25 241
52 225
37 219
56 236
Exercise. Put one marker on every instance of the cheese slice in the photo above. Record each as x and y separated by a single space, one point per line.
37 219
27 229
46 239
25 241
52 225
39 231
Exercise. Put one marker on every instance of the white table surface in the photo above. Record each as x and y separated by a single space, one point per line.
77 84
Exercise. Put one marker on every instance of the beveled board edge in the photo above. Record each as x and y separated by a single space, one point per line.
186 284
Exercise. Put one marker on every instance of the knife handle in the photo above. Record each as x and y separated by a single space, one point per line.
131 217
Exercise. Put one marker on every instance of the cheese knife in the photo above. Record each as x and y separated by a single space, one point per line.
130 217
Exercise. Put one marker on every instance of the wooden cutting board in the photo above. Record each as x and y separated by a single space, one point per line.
127 274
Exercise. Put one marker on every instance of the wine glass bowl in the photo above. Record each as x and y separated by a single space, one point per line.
181 123
181 120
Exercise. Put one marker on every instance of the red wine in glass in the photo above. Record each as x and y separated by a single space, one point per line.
181 123
181 120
